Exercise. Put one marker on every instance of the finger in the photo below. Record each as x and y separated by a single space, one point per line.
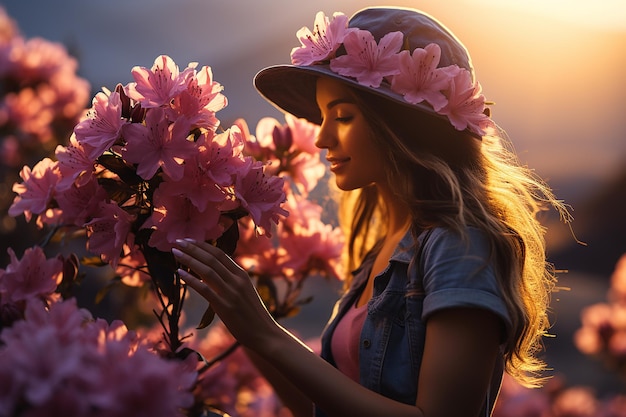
200 287
193 259
217 258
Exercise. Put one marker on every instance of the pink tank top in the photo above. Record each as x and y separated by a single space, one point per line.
345 341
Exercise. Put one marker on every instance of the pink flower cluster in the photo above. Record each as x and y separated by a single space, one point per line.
415 75
41 96
148 165
555 400
234 385
304 244
31 278
603 330
61 362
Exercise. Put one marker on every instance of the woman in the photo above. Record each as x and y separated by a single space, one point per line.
450 285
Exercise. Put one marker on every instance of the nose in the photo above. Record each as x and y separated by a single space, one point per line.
324 139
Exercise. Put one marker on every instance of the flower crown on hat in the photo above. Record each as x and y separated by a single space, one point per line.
450 91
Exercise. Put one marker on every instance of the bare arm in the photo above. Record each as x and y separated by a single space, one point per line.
229 290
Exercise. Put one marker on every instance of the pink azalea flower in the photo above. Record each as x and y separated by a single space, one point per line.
261 146
29 111
518 401
32 277
200 101
218 160
302 159
157 86
466 104
255 253
618 280
261 195
74 162
61 360
420 79
176 217
197 186
307 243
367 61
305 171
252 144
37 189
576 402
222 156
103 125
304 134
158 144
323 41
597 327
108 231
79 204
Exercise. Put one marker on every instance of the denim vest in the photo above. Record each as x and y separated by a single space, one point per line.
448 273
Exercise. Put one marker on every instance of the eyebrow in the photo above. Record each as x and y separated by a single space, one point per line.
340 100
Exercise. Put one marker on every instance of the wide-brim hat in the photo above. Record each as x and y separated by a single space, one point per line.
291 88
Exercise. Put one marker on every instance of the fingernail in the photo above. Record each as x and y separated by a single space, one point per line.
181 242
176 252
190 240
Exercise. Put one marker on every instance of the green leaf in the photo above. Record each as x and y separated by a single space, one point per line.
207 318
117 165
162 268
92 261
116 190
228 241
102 292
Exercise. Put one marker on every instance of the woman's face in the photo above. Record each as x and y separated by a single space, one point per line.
346 136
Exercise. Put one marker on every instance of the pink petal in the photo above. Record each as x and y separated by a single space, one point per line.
367 61
322 42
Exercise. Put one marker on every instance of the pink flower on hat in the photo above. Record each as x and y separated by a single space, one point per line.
420 79
466 104
323 41
368 61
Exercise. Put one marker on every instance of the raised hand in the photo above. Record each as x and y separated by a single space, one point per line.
228 289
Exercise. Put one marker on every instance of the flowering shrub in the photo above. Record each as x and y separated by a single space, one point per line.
60 361
233 384
555 399
602 336
56 359
603 331
148 164
303 245
41 99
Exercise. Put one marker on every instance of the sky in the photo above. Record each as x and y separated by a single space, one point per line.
553 68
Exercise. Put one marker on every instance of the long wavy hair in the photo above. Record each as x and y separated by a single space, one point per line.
451 179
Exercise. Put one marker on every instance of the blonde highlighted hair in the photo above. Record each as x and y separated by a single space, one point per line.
451 179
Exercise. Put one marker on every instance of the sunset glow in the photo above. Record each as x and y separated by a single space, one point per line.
605 14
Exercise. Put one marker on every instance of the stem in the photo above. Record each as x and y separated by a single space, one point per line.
219 357
177 305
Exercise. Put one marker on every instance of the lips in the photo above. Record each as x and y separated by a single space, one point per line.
336 163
